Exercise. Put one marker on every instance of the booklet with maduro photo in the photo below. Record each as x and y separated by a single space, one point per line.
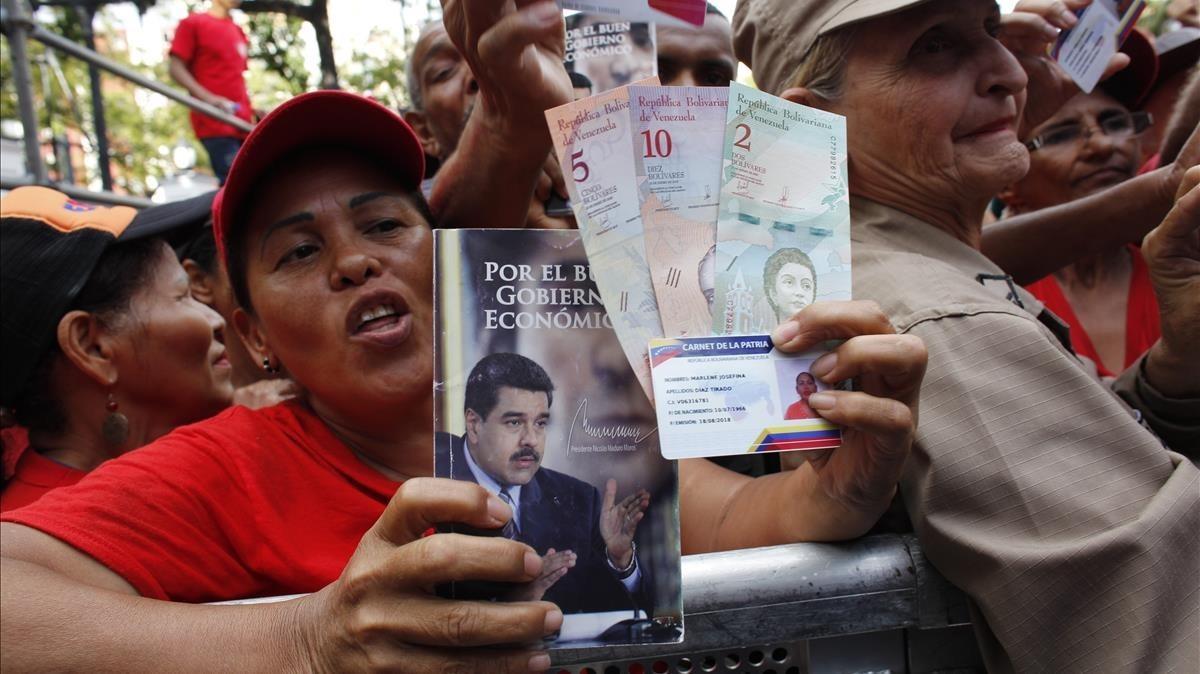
536 402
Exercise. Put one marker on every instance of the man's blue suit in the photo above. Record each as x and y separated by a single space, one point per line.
558 511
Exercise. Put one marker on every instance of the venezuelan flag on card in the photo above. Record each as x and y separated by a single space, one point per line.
735 394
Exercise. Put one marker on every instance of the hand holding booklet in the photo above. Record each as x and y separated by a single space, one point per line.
697 208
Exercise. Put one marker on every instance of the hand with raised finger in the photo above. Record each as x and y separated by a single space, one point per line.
515 49
555 565
878 418
619 522
383 613
1188 158
1172 253
1028 32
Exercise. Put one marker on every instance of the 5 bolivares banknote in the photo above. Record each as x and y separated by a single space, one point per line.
707 211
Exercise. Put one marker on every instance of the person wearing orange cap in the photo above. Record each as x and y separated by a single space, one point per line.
1032 485
104 348
328 244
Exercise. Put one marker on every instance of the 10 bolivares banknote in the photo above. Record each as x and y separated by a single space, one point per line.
593 140
783 222
678 137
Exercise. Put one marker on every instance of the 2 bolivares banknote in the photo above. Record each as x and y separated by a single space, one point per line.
708 212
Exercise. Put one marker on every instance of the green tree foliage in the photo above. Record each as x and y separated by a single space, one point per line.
1154 18
144 128
377 69
277 45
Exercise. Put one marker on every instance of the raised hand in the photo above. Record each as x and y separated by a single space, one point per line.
382 613
515 49
878 419
619 522
1172 252
1028 31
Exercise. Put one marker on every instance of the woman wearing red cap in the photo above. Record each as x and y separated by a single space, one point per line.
104 348
329 248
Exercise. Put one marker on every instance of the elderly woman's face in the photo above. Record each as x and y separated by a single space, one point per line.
1089 162
932 100
339 266
170 355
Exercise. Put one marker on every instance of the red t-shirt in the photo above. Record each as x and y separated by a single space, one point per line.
214 51
1142 328
35 475
14 440
799 410
248 503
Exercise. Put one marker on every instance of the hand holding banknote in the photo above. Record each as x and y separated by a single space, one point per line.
878 418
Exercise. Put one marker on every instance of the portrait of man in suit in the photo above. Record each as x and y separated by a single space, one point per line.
586 538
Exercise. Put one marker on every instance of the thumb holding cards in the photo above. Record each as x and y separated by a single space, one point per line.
879 417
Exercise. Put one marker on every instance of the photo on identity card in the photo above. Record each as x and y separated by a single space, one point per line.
726 395
536 402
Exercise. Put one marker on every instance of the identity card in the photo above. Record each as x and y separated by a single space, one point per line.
1084 50
734 394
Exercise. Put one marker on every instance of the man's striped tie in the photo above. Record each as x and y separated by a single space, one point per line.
511 529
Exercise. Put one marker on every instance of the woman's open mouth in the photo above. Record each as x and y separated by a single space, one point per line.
380 318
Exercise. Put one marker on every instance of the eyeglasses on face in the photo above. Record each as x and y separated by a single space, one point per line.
1113 124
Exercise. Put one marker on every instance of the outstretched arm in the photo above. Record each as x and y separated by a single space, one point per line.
1032 245
838 495
62 610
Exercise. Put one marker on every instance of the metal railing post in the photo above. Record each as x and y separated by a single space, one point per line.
62 44
99 122
20 24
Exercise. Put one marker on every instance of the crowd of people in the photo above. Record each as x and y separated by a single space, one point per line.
232 396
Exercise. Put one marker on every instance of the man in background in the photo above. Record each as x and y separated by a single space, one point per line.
697 57
444 92
208 57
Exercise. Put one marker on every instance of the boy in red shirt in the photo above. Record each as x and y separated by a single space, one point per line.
208 57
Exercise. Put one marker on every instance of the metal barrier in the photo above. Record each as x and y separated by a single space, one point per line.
872 604
19 27
770 601
76 192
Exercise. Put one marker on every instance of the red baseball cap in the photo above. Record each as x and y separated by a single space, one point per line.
318 118
1132 84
